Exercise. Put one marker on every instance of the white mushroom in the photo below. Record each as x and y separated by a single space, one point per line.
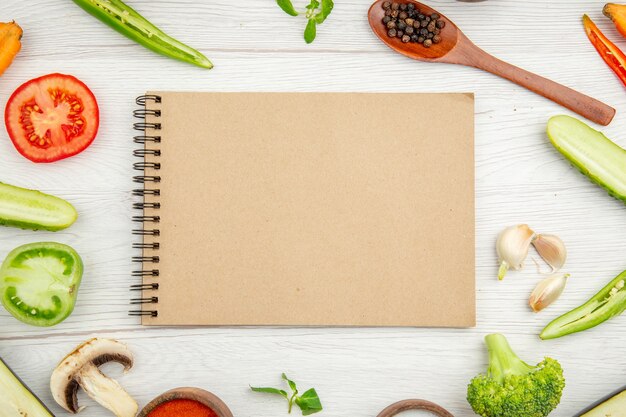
80 368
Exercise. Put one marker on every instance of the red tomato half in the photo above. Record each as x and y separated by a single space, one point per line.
52 117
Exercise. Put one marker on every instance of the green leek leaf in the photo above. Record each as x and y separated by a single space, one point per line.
313 5
287 7
270 391
309 402
292 384
311 31
327 7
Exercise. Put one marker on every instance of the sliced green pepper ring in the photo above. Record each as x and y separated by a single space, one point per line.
39 282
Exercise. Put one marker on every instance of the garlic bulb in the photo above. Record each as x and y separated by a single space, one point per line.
512 247
552 249
547 291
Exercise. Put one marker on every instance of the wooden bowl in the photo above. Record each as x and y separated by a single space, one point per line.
196 394
406 405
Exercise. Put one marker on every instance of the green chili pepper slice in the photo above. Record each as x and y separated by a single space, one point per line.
39 282
125 20
608 303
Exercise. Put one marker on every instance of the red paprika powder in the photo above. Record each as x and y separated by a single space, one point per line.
182 408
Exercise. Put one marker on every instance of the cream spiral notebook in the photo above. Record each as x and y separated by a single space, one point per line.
338 209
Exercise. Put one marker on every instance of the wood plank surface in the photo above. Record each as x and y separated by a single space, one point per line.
520 178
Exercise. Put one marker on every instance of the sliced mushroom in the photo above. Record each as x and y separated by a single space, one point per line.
80 368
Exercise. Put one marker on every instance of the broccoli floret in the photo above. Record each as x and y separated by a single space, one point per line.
511 387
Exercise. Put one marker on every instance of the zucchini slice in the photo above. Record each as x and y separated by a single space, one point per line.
30 209
596 156
16 400
613 406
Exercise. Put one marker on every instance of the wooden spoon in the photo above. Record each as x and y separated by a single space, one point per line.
406 405
456 48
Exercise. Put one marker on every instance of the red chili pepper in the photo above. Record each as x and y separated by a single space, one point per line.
611 54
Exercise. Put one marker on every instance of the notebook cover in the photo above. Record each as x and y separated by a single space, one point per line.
334 209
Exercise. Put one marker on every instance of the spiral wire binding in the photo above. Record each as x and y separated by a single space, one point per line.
144 220
140 153
142 287
142 192
142 139
146 178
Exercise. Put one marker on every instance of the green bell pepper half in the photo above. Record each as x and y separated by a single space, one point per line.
128 22
608 303
39 282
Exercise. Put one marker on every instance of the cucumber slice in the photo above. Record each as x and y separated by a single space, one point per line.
30 209
16 400
601 160
614 406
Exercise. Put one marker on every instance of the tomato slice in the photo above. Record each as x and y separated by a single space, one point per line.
52 117
39 282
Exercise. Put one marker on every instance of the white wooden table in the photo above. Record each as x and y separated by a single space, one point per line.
256 47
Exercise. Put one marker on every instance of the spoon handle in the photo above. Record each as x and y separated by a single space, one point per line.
582 104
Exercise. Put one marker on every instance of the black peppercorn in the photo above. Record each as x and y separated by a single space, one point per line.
406 22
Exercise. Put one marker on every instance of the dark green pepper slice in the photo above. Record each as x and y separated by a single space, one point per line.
126 20
608 303
39 282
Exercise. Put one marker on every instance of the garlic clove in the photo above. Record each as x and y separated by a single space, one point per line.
552 249
512 247
547 291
